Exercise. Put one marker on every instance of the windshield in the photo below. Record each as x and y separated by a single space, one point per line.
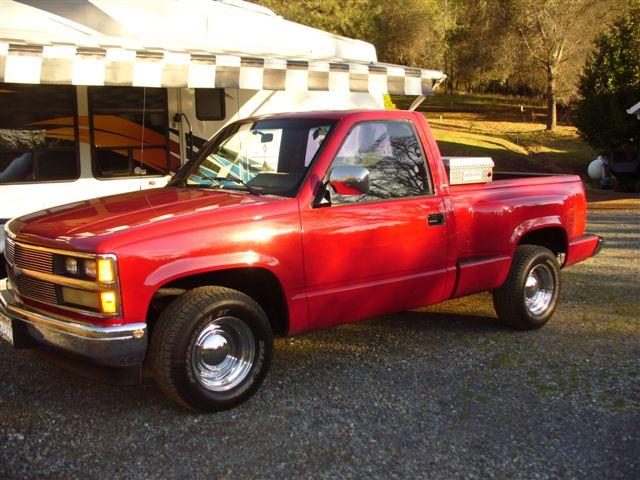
265 156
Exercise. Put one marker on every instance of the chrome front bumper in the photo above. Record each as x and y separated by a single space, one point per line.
116 346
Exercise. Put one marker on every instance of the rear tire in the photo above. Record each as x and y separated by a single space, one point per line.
211 349
529 296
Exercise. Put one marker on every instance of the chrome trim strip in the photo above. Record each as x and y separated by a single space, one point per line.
57 251
132 331
86 313
7 232
65 281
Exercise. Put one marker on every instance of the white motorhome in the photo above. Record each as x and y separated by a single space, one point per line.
100 97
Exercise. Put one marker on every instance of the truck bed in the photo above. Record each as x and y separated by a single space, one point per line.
504 207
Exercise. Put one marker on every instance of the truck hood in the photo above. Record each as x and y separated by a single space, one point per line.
84 225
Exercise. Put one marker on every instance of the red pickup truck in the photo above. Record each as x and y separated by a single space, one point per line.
281 225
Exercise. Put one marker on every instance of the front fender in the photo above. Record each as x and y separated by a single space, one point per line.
185 267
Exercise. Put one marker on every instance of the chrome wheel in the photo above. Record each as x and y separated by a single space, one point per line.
539 289
223 354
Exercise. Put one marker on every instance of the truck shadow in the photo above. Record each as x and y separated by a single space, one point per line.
54 389
387 334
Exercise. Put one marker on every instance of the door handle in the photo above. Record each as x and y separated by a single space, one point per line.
434 219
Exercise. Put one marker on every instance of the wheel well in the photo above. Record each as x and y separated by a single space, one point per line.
258 283
553 238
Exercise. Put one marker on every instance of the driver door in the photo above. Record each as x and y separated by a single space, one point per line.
383 251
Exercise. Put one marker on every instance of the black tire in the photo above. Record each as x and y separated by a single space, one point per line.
174 355
510 300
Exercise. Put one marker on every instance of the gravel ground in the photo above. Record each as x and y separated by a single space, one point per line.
441 392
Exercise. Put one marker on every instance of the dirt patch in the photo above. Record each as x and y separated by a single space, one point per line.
598 199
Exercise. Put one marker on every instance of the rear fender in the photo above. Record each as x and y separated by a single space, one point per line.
532 225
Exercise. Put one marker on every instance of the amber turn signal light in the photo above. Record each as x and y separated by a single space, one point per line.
105 270
108 302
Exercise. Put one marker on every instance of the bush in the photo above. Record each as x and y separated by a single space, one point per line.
609 85
388 103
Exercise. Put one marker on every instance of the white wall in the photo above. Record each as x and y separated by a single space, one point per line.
19 199
247 103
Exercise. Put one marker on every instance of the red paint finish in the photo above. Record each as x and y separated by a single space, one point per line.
335 264
381 256
581 248
485 273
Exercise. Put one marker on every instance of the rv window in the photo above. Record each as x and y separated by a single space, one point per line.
130 132
210 104
38 133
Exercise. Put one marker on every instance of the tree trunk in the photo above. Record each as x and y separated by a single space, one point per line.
551 100
450 83
551 111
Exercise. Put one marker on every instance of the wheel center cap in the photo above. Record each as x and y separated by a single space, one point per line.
531 286
214 349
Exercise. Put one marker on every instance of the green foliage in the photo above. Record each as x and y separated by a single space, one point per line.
388 103
610 84
405 31
482 45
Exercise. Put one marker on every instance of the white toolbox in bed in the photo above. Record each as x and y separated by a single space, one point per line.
464 170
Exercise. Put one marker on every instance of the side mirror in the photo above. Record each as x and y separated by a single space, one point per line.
264 137
349 180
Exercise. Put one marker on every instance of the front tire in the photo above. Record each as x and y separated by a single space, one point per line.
529 296
211 349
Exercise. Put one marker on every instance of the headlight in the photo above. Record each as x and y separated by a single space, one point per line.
83 298
100 269
71 266
90 268
93 282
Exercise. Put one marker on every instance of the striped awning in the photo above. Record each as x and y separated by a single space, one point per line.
65 64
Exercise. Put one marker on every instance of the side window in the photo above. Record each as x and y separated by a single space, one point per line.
129 132
394 157
210 104
38 133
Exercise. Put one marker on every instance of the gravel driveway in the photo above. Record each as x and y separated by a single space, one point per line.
442 392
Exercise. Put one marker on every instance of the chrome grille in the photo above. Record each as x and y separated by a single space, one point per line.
36 289
25 257
22 257
10 251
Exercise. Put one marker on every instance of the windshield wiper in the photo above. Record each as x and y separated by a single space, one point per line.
249 188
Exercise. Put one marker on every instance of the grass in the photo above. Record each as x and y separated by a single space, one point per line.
511 130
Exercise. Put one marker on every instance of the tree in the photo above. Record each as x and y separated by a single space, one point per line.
406 31
610 84
556 34
529 46
477 46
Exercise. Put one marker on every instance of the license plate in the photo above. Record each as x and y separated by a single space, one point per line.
6 329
